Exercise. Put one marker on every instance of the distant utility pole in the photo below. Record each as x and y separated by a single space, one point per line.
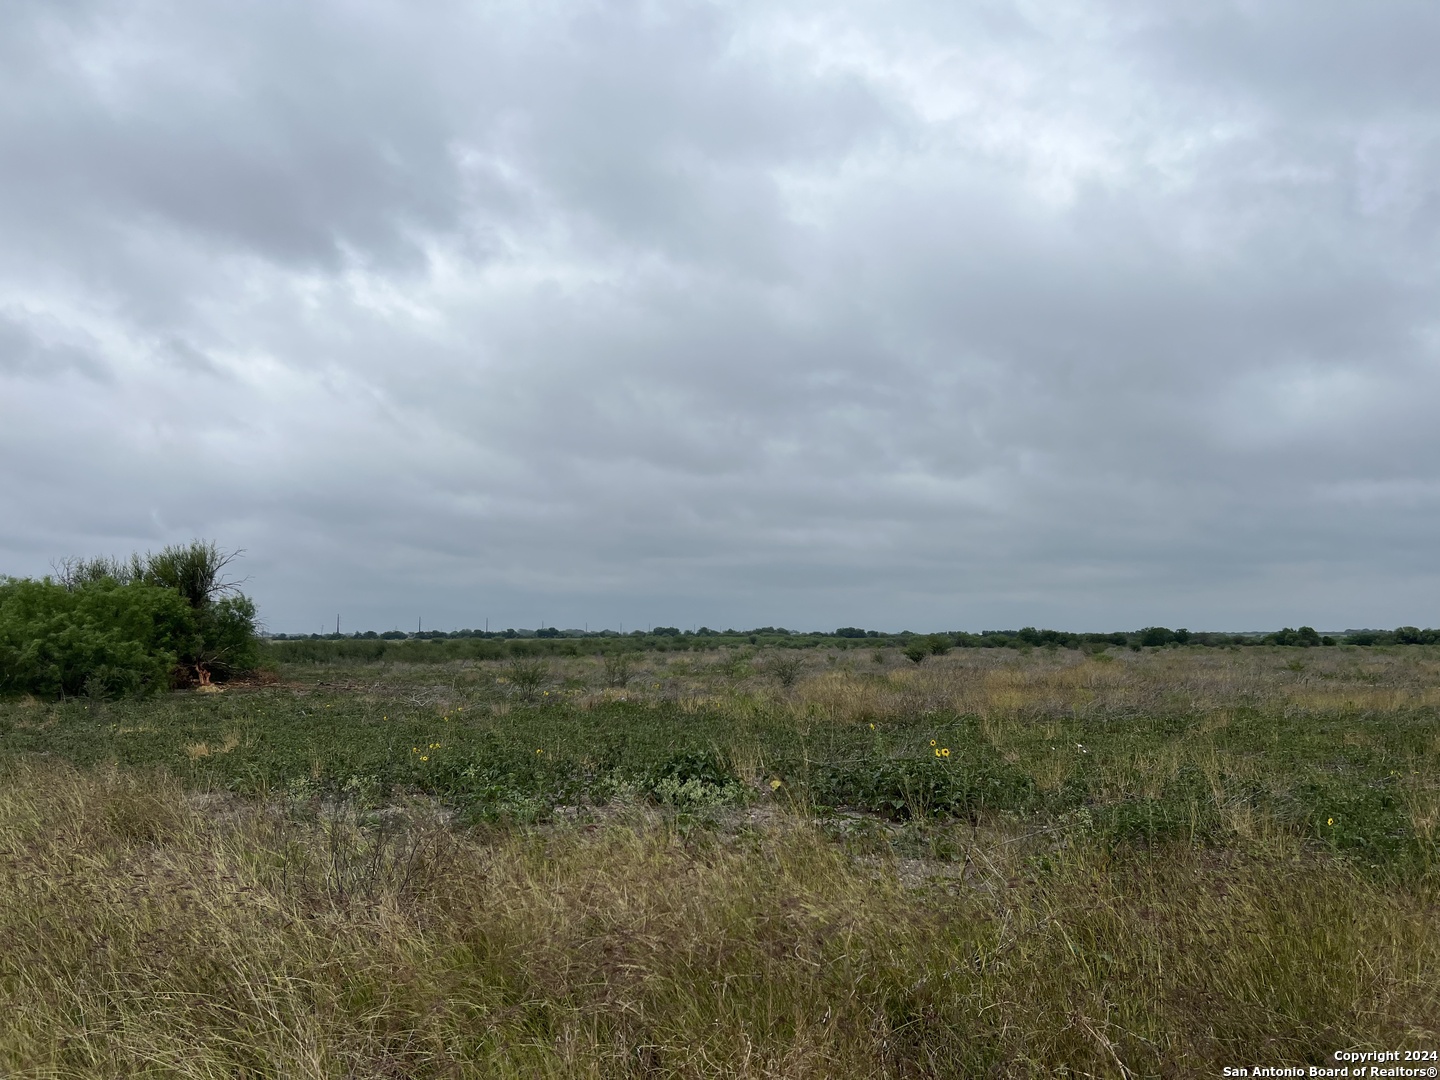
337 624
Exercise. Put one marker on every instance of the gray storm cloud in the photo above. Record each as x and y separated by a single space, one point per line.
905 315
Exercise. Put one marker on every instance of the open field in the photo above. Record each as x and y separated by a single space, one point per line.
736 863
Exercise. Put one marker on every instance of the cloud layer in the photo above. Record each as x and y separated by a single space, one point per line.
732 314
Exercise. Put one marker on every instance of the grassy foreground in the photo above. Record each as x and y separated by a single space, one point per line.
1147 865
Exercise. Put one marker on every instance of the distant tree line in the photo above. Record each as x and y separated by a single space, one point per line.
550 641
108 627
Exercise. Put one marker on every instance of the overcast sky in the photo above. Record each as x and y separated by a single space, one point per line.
901 314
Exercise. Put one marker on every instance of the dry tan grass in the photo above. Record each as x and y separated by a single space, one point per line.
845 686
197 750
1006 683
147 932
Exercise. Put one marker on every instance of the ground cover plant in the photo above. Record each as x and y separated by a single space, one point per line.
729 862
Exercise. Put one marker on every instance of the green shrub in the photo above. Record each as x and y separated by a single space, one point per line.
785 668
193 570
225 643
98 637
694 779
1305 637
967 781
528 676
617 669
111 627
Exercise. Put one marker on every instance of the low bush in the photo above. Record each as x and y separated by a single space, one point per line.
967 783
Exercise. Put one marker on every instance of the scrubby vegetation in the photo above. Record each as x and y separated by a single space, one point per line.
107 628
746 861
